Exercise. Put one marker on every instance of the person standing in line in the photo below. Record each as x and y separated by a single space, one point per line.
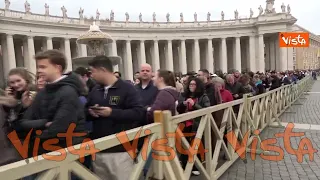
85 76
210 90
146 88
58 102
147 92
167 96
113 106
193 98
234 87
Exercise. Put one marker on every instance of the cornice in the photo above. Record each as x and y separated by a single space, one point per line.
123 26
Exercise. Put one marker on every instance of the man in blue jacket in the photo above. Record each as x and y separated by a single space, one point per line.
113 106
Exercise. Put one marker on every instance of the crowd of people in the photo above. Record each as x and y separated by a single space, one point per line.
101 103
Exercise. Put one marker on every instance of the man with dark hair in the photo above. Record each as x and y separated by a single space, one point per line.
213 95
85 76
117 74
136 75
113 106
58 102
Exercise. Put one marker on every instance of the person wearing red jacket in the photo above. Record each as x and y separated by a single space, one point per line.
226 95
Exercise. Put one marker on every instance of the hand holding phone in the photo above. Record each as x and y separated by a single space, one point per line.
92 110
95 108
9 91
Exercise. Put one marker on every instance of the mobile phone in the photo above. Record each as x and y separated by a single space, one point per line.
12 91
95 108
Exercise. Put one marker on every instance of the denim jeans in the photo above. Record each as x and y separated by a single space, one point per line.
148 164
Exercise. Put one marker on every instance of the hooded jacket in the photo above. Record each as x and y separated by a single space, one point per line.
165 100
59 103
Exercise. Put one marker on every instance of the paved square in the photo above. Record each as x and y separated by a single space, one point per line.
307 114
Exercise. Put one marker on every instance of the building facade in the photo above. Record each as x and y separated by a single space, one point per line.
242 44
307 58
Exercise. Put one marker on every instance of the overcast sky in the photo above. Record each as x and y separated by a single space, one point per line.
306 11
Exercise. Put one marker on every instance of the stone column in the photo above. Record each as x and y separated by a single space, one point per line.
283 59
44 44
5 59
261 53
183 57
175 52
25 53
128 68
142 53
11 53
49 43
32 66
155 56
237 56
114 53
196 56
67 52
169 56
18 53
223 59
209 60
272 49
252 53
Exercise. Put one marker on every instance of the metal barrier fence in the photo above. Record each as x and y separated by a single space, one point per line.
242 117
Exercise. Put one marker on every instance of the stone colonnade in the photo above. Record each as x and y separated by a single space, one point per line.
254 53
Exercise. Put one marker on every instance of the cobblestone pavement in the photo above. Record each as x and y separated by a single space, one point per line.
289 167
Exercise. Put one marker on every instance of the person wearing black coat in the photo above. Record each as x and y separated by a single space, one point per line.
275 82
58 103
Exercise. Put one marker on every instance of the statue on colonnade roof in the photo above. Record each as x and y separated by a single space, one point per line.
97 14
288 9
236 14
251 13
154 17
283 8
269 7
81 11
222 15
111 15
27 7
46 7
181 17
64 12
260 10
127 17
7 4
208 17
168 17
140 17
195 16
